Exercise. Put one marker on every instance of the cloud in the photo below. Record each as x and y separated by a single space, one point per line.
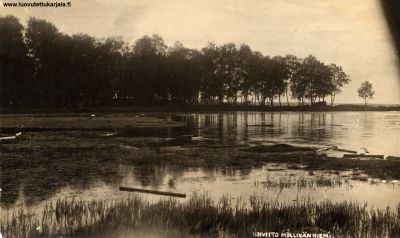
129 18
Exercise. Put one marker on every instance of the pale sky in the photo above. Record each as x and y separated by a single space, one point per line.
351 33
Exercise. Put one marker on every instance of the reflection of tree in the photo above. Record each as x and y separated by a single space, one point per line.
366 122
220 126
211 172
263 116
245 172
311 126
280 124
231 128
332 123
317 126
300 124
149 176
227 171
154 176
242 126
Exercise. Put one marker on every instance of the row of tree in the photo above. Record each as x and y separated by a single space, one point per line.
40 66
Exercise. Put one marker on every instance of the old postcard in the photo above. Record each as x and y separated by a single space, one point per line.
211 118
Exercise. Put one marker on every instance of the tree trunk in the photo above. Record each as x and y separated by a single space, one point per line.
280 104
287 97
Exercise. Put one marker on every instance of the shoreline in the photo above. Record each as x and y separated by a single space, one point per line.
201 108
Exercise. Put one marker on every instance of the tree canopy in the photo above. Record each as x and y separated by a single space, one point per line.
41 66
366 92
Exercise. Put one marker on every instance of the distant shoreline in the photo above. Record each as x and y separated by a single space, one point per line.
202 108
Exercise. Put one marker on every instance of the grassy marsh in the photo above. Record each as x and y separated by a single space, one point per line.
78 150
199 217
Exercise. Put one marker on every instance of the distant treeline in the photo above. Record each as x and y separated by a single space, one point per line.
40 66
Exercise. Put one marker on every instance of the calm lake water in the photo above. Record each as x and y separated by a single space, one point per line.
377 132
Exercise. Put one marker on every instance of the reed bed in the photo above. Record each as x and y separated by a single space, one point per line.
302 182
200 216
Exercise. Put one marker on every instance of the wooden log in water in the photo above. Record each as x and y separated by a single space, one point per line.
140 190
363 156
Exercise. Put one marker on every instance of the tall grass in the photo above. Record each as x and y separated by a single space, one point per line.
199 217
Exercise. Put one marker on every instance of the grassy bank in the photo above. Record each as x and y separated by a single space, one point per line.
199 217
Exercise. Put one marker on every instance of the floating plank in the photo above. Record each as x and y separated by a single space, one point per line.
363 156
8 138
324 149
140 190
343 150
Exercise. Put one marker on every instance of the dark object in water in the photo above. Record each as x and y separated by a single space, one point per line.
276 148
363 156
140 190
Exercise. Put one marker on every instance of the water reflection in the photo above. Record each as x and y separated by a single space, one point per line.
352 130
239 183
35 180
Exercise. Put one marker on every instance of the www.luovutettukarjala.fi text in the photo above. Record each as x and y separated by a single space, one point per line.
37 4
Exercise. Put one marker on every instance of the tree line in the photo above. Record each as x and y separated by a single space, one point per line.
41 66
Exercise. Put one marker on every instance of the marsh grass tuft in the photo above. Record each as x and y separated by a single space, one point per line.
199 217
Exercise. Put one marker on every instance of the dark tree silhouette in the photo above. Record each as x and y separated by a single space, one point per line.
14 64
42 67
339 79
45 47
183 74
149 72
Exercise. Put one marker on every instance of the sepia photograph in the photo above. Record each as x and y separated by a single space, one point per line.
199 118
